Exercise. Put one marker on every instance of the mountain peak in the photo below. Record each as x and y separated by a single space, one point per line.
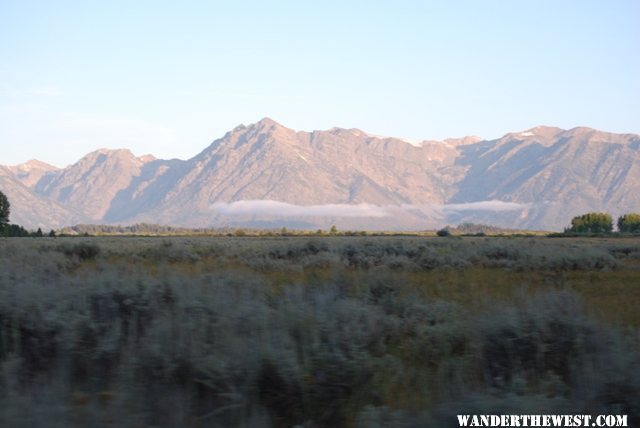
30 172
118 155
352 131
540 132
584 131
34 164
267 122
105 151
463 141
264 124
147 158
271 127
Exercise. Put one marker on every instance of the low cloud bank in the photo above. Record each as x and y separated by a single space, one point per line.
493 205
283 209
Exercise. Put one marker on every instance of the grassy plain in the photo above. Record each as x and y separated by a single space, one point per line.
315 331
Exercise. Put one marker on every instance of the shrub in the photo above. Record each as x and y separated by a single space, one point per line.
238 332
81 250
444 232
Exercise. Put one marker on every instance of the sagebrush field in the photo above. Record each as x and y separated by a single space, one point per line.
315 331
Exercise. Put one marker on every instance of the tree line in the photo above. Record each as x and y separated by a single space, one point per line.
590 223
598 222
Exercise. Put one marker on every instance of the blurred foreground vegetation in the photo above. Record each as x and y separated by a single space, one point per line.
315 331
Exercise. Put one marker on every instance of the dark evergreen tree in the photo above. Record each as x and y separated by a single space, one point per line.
5 209
13 230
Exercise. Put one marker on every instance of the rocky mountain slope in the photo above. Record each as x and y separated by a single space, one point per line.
267 174
33 210
558 173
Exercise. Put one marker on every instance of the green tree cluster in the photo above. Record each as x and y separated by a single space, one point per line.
14 230
4 211
592 223
629 223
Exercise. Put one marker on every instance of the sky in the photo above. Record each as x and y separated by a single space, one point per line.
169 77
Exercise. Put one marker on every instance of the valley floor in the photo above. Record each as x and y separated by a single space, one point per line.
315 331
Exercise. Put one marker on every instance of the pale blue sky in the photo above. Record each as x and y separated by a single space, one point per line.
169 77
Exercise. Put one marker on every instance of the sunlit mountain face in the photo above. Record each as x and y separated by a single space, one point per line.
265 174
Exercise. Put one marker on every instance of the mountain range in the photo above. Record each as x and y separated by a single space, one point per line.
267 175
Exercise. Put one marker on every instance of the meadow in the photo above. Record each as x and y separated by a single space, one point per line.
315 331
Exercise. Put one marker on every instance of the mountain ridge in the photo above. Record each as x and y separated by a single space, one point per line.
549 172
